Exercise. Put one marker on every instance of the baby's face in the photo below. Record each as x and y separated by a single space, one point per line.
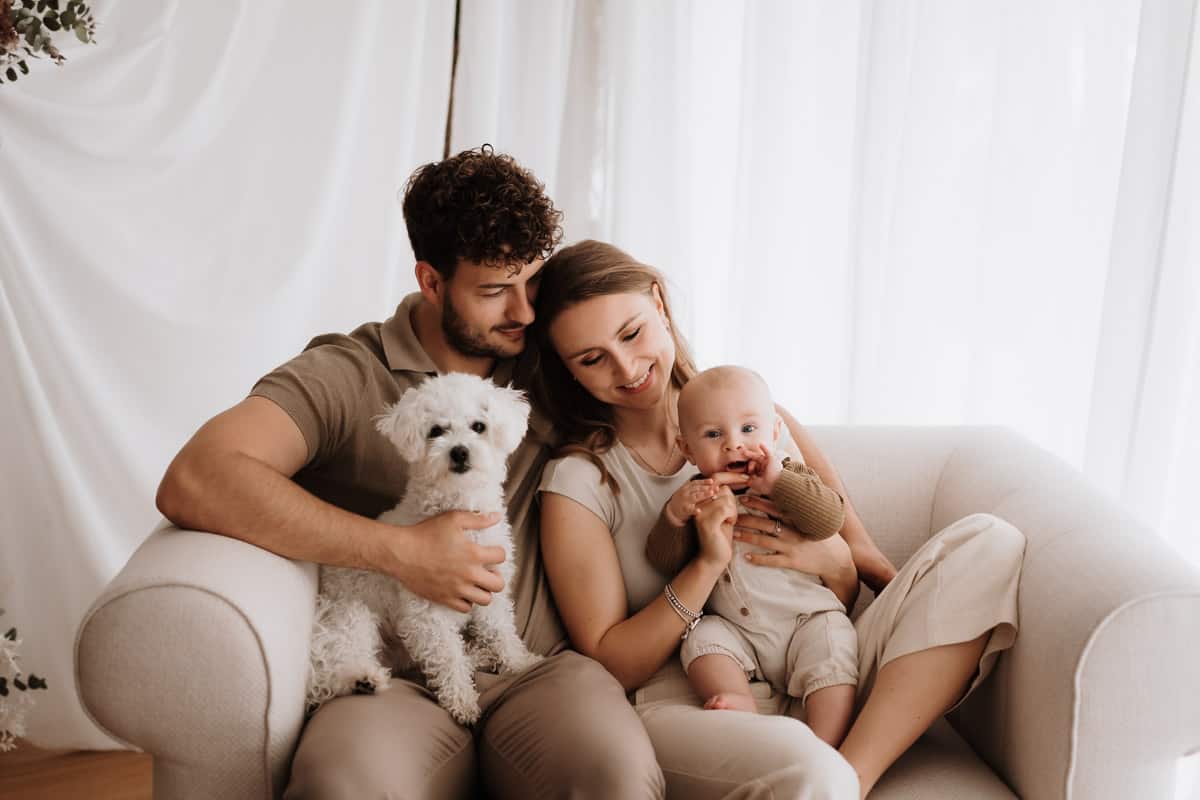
723 427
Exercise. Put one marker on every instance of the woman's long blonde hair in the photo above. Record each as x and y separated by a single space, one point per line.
572 275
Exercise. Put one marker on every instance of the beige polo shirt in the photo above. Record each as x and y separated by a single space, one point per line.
340 382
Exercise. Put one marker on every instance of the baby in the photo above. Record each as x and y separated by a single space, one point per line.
769 623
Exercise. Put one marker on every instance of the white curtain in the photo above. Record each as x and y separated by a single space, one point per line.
182 207
900 212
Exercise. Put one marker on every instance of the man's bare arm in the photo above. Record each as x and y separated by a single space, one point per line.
234 478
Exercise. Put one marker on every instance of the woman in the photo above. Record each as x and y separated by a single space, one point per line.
608 366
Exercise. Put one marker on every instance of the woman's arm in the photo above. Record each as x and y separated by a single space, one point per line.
589 590
874 568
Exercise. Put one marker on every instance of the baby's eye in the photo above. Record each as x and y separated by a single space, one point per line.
630 337
713 434
749 427
436 431
478 427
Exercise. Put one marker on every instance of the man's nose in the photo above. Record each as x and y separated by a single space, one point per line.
519 308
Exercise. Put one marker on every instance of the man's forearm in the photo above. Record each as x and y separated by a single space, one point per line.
238 496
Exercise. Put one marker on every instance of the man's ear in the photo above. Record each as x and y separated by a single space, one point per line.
430 282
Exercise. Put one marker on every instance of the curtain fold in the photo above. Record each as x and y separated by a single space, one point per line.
182 207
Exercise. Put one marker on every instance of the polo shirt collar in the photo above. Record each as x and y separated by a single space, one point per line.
401 347
404 352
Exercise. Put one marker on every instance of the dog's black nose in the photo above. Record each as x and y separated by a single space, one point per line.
459 454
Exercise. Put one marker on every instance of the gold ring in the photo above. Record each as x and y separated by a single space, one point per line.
778 527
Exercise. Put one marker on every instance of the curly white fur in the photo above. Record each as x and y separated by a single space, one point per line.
456 431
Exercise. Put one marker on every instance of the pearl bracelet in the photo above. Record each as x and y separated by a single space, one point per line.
690 618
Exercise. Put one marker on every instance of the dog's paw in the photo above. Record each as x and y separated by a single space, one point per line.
519 662
367 679
465 710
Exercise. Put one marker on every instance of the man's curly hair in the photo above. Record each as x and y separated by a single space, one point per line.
479 206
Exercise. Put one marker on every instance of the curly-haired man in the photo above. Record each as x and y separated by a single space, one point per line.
299 469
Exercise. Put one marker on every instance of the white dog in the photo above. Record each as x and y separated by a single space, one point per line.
456 431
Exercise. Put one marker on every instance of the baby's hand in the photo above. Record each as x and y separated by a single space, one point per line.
764 470
687 499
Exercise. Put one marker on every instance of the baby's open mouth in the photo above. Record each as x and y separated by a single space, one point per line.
737 466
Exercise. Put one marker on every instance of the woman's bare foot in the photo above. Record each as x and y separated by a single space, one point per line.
731 701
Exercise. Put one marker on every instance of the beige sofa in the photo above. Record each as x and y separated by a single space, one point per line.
196 650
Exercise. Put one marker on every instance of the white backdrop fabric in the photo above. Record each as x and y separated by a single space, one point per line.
182 207
903 212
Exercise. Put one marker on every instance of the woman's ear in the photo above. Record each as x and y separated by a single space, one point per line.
656 293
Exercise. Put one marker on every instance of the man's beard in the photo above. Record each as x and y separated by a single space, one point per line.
467 341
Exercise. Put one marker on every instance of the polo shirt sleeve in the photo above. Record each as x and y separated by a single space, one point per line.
576 477
322 390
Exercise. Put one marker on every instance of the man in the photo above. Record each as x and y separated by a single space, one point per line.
299 469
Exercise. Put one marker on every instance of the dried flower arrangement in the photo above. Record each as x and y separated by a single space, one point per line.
15 686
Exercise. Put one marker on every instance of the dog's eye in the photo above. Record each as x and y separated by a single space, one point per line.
478 427
436 431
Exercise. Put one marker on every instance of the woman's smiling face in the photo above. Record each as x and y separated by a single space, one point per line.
618 347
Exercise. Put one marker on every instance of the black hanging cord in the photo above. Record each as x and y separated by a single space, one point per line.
453 76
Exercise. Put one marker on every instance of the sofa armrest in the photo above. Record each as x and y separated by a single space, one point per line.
1096 698
197 653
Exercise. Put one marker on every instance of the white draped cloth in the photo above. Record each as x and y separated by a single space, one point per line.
914 212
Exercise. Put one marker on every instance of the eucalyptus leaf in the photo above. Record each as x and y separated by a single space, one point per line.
51 22
24 67
67 18
11 73
81 33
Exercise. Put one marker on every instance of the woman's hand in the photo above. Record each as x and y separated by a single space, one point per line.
828 559
687 499
715 519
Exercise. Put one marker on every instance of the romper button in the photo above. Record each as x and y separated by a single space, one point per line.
745 611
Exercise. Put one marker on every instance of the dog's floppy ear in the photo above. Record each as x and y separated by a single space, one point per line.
400 424
509 412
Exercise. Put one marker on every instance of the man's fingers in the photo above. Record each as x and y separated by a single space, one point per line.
477 596
473 522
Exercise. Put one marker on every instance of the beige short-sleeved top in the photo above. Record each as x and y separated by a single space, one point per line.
334 389
631 514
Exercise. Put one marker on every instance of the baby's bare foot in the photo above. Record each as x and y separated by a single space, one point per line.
729 701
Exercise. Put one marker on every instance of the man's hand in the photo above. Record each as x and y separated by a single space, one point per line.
764 470
436 560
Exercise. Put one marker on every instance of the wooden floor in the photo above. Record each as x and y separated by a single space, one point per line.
28 773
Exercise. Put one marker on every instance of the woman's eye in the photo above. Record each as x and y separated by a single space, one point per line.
588 362
478 427
749 428
630 337
436 431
